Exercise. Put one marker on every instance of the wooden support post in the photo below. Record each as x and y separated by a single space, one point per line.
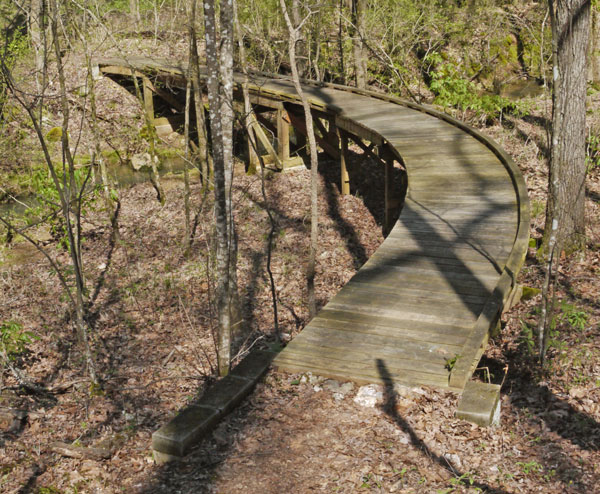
333 132
283 135
345 178
148 99
320 127
300 125
252 143
259 133
300 139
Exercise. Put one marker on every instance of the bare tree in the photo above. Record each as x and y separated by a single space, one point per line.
249 119
204 156
219 58
70 191
294 31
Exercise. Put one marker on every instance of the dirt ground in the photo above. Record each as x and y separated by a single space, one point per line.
153 341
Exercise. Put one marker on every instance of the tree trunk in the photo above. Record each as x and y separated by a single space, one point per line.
341 41
219 57
71 198
566 185
360 53
294 36
36 23
186 176
134 12
594 50
206 164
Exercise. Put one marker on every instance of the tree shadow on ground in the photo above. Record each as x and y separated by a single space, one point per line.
542 144
556 413
563 463
202 463
390 400
541 414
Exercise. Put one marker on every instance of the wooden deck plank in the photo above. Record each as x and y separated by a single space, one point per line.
450 232
363 301
418 314
343 342
400 324
358 372
383 278
364 359
401 331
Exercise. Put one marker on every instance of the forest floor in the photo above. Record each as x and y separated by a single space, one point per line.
154 346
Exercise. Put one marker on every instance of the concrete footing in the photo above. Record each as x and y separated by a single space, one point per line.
480 404
174 439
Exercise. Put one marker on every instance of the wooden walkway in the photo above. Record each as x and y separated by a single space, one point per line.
420 310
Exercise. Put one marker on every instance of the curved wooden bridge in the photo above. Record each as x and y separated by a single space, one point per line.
419 311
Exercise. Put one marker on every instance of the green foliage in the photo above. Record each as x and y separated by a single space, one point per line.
14 48
48 490
526 338
452 90
530 467
537 208
54 134
13 339
567 315
123 5
466 478
570 314
48 201
370 481
451 362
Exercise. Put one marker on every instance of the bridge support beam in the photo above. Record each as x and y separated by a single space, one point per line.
283 135
148 95
344 177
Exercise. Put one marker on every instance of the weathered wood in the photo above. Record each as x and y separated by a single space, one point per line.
283 135
333 344
335 320
448 265
80 452
344 177
148 99
299 124
389 206
264 140
358 372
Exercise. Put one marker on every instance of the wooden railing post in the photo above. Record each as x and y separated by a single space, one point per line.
283 135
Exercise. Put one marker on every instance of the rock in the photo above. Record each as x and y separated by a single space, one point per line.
338 390
578 392
405 439
369 396
345 390
407 392
454 460
142 161
331 385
